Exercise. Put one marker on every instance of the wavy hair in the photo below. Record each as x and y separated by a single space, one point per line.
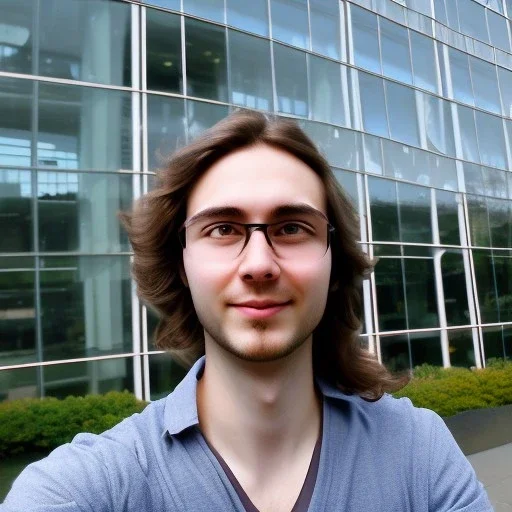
157 216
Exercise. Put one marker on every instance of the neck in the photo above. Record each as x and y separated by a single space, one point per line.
255 411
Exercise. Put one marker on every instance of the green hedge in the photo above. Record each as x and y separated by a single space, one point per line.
41 425
453 390
32 425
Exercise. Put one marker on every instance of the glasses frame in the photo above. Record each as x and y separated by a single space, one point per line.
250 228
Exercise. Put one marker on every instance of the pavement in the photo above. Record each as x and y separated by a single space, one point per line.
494 469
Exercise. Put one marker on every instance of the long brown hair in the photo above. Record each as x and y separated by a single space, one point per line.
153 230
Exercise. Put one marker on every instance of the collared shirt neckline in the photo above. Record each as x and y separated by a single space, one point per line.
181 405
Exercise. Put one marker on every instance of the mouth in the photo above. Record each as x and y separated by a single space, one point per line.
260 309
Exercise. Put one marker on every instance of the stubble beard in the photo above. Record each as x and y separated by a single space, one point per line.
267 350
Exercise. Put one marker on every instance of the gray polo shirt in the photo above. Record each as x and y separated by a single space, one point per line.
375 456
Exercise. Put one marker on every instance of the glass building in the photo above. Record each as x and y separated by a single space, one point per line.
411 102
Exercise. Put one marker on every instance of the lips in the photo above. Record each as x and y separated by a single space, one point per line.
258 309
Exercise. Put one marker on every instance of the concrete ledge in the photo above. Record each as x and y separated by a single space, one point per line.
481 429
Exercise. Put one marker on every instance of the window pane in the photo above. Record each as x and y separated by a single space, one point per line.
443 172
325 27
494 182
485 85
420 293
403 123
168 4
493 342
163 53
461 79
326 96
206 60
468 134
395 352
166 128
478 221
372 154
18 319
89 41
400 160
424 61
500 222
472 19
85 306
290 22
16 384
383 209
438 123
15 122
251 80
15 36
251 16
473 178
342 148
462 353
365 39
78 211
498 30
440 12
491 141
505 79
88 377
415 213
164 375
503 272
448 217
426 348
396 60
84 128
454 286
348 180
390 294
291 80
422 6
202 115
486 286
373 104
16 218
452 14
209 9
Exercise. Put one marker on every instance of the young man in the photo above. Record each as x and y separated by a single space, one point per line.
247 248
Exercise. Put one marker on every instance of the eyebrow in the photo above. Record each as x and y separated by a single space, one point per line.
233 211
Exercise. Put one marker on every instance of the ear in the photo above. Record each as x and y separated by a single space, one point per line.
183 275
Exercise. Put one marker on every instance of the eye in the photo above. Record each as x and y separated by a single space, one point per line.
291 229
224 230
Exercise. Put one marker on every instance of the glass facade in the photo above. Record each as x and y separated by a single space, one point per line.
410 102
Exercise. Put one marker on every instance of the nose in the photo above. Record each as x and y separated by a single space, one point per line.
258 260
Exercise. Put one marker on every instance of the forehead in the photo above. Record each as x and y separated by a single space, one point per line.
256 180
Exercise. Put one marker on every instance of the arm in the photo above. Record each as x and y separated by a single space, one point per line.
453 484
73 478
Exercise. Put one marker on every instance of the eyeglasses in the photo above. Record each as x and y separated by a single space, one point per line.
305 237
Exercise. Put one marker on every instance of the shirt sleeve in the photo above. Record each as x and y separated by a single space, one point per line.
453 484
73 478
91 474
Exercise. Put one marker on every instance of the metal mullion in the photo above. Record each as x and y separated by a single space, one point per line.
137 36
183 56
145 356
363 227
469 268
35 210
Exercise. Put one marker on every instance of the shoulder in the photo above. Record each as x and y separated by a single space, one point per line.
93 471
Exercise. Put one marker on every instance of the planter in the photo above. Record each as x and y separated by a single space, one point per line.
481 429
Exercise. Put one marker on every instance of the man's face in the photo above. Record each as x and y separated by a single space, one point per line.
257 305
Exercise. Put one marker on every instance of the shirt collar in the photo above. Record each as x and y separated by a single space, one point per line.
181 405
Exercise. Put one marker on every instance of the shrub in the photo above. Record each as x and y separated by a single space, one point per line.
43 424
453 390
